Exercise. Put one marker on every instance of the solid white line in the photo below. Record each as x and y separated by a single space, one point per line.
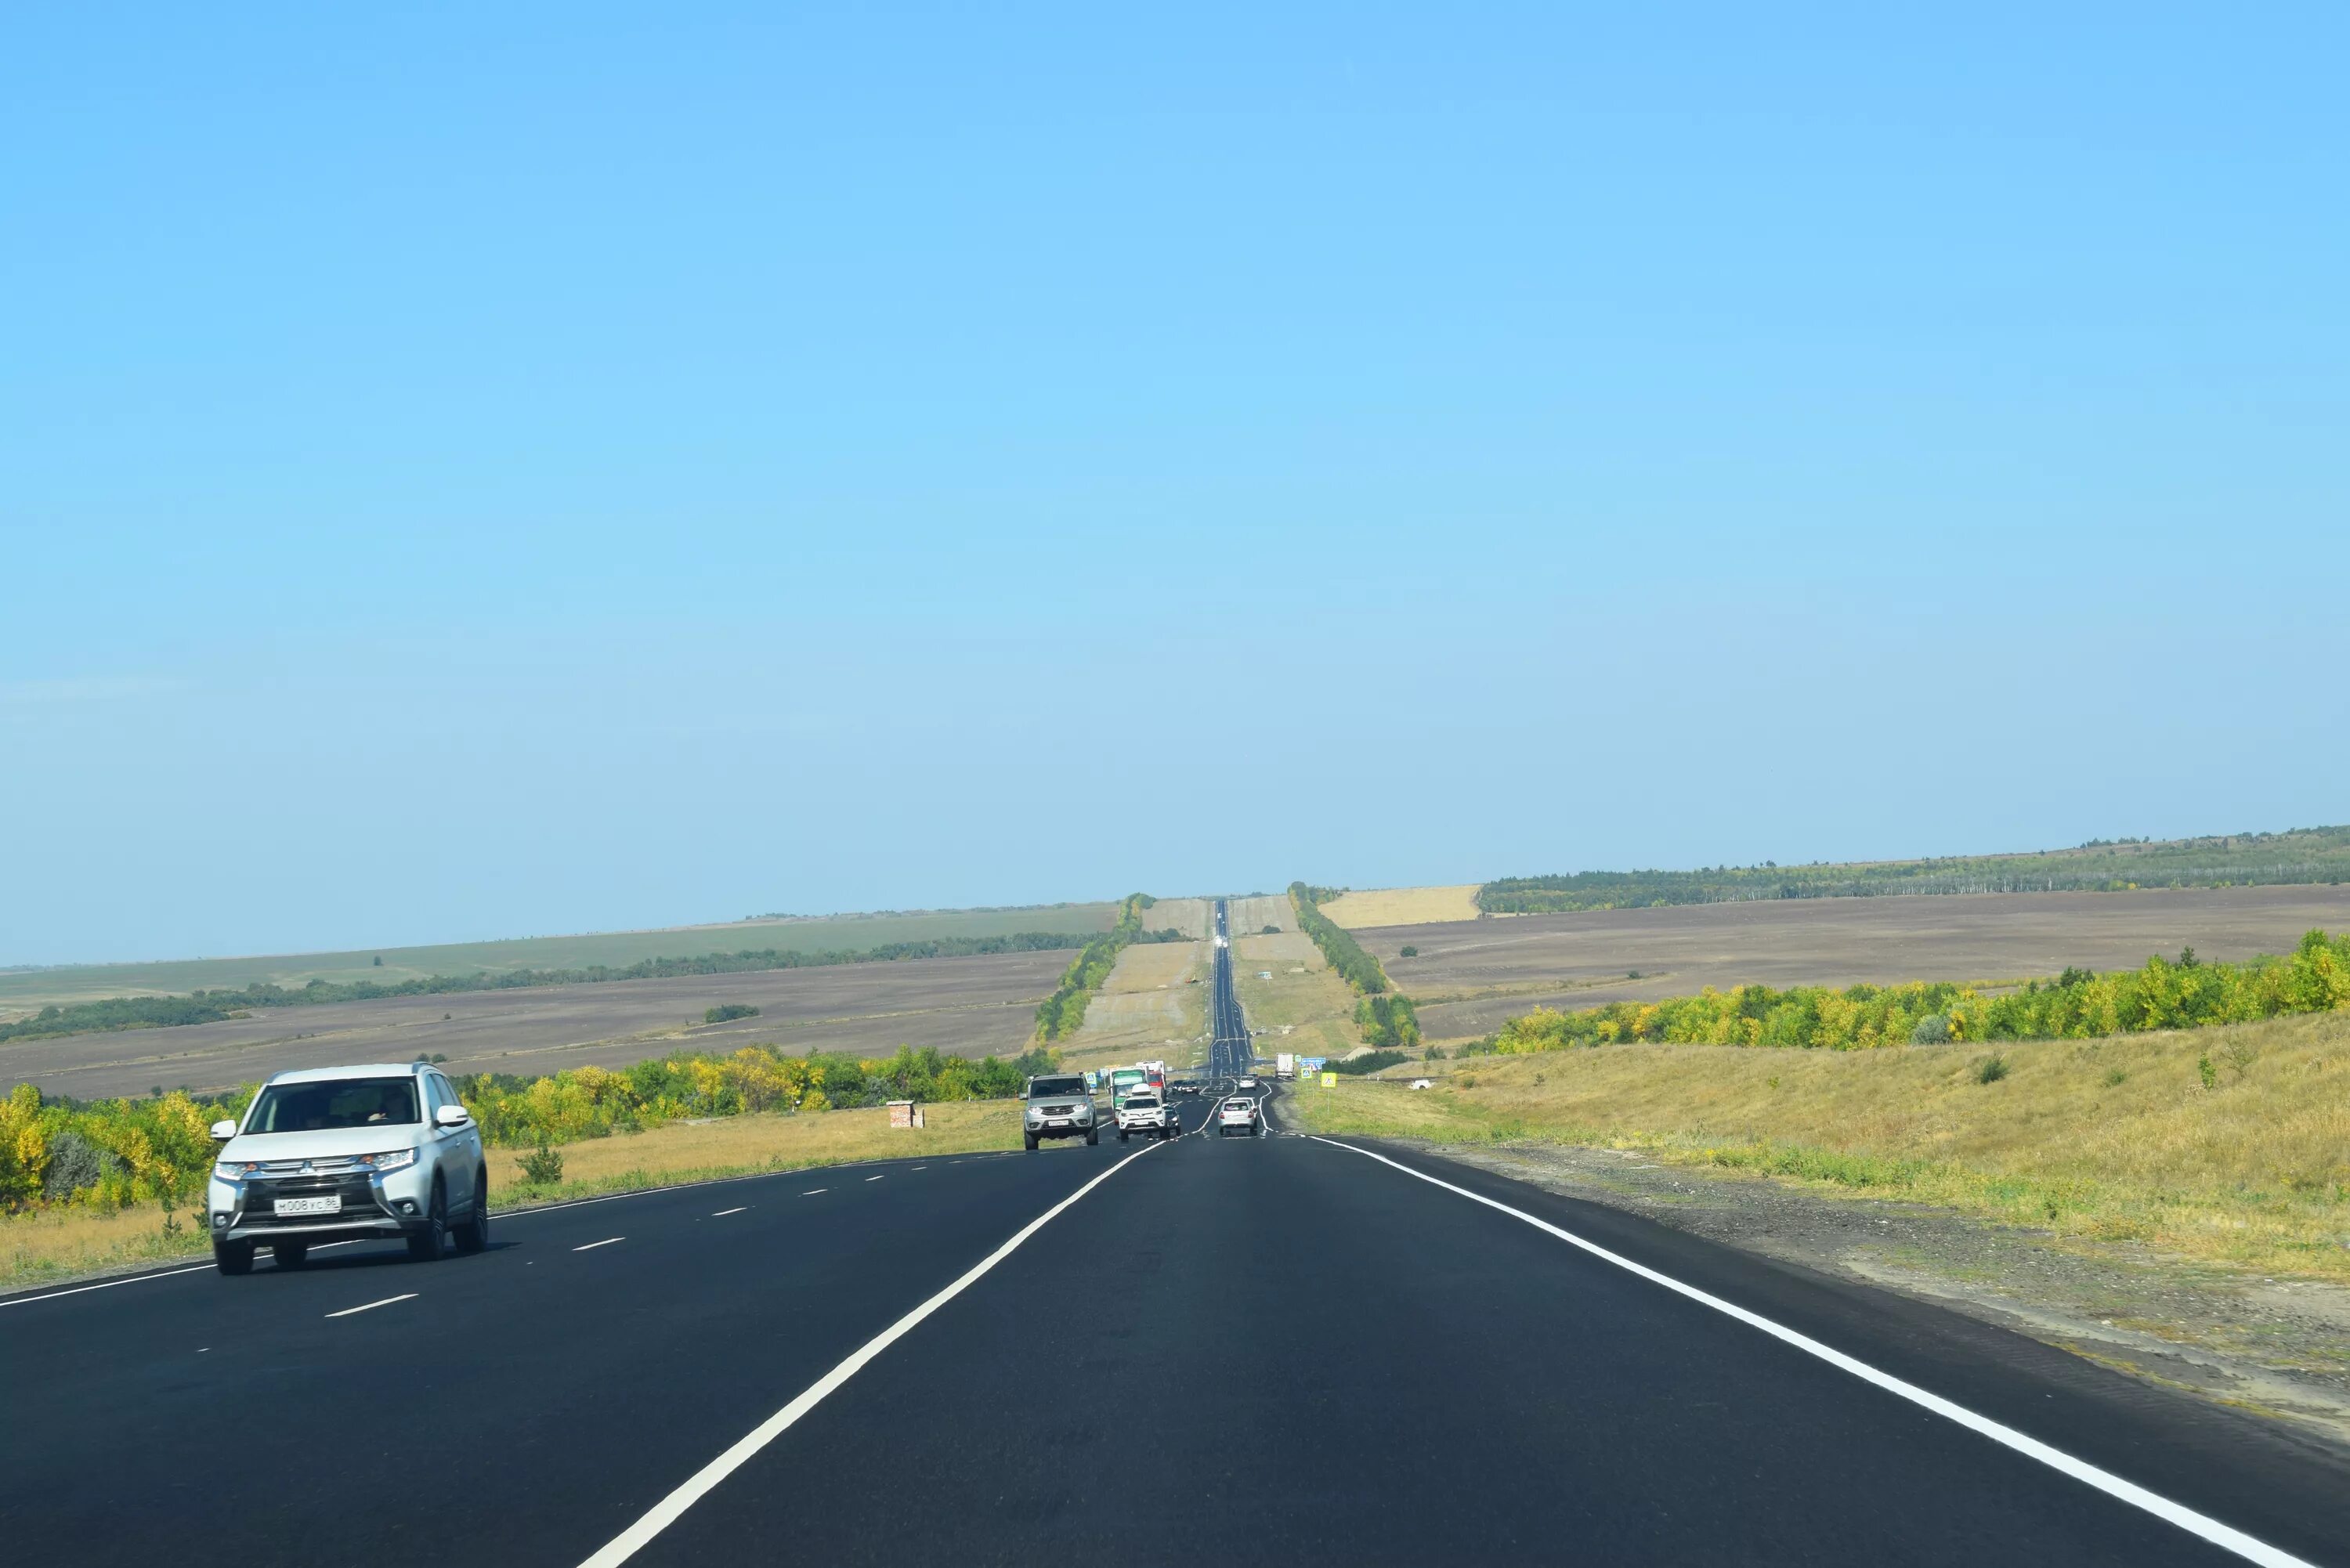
372 1305
2220 1535
604 1243
106 1286
629 1542
723 1213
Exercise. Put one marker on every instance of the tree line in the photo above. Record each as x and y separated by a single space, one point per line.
212 1007
2165 993
1384 1014
2303 856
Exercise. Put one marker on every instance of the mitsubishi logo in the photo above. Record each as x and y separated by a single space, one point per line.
309 1169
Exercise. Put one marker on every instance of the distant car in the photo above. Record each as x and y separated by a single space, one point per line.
1147 1115
1058 1106
1240 1113
1246 1083
345 1153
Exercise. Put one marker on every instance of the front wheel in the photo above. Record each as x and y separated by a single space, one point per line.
1029 1139
424 1244
1093 1135
475 1233
232 1257
289 1254
1121 1135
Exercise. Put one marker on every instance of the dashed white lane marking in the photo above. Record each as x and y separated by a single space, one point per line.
723 1213
812 1191
2225 1537
877 1177
604 1243
372 1305
921 1167
629 1542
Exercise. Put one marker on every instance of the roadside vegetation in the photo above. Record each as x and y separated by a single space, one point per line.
212 1007
2303 856
2228 1145
1384 1016
1059 1016
64 1162
2165 994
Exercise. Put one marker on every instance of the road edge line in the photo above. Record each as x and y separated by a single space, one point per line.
2226 1537
667 1512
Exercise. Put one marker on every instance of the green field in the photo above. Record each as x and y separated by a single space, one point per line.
26 990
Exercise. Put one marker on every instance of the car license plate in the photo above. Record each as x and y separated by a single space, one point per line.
1056 1121
330 1204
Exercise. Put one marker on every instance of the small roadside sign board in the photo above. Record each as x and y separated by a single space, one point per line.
1329 1080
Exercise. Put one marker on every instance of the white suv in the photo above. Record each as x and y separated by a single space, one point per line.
340 1153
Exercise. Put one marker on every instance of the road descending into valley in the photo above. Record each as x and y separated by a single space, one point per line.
1281 1348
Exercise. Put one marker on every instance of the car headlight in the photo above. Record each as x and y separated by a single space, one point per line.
235 1170
392 1160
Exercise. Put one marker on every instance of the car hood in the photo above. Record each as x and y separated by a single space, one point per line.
339 1144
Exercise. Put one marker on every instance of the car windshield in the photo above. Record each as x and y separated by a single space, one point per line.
332 1104
1056 1088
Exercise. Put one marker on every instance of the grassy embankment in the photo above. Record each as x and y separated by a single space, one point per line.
45 1245
1303 993
1152 1006
2228 1145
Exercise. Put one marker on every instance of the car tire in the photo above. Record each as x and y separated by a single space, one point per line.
475 1233
425 1242
1093 1135
232 1257
1029 1139
1121 1135
289 1254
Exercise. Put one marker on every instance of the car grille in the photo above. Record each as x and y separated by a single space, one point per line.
261 1196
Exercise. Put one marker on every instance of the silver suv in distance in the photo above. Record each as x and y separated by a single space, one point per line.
1058 1106
334 1154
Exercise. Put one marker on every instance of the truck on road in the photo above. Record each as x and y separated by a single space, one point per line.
1285 1066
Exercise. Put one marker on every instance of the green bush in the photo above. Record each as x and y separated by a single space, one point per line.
1990 1069
728 1013
542 1166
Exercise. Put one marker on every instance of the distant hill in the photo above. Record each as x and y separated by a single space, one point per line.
28 990
2303 856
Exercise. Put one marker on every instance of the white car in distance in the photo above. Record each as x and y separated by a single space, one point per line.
1238 1114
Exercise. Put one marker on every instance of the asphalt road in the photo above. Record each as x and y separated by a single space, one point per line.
1230 1053
1276 1348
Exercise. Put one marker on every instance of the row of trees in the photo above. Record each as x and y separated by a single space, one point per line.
107 1154
211 1006
1059 1014
1384 1014
2305 855
2165 994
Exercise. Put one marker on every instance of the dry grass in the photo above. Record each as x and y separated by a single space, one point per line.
1316 1005
1255 913
38 1248
2117 1139
1192 917
1404 907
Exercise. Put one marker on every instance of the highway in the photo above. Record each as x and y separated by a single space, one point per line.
1278 1349
1229 1052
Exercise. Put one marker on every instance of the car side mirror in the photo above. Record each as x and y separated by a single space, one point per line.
223 1131
451 1117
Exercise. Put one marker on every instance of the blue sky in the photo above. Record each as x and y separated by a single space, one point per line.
470 474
